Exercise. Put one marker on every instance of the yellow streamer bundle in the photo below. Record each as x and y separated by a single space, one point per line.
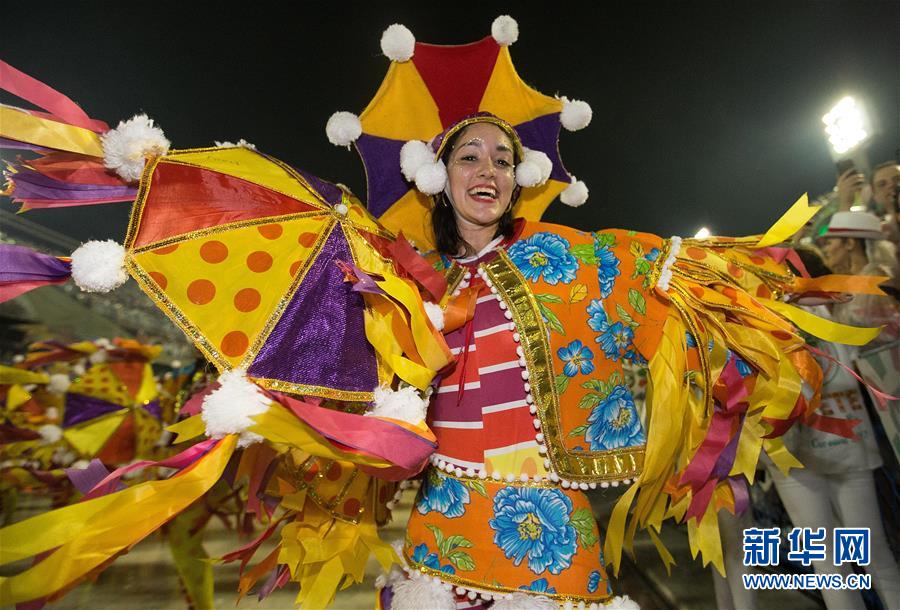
90 533
727 297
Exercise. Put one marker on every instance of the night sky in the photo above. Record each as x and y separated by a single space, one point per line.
704 113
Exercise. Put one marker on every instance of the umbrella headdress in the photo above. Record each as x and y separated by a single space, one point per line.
429 88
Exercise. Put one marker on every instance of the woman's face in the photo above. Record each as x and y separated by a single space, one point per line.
836 254
481 175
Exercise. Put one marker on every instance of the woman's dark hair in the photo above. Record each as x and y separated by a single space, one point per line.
443 221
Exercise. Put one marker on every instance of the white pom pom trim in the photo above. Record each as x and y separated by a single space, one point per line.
665 274
404 404
227 410
50 433
524 601
505 30
575 114
413 155
435 314
398 43
534 170
126 148
99 266
343 128
575 194
431 178
59 383
419 593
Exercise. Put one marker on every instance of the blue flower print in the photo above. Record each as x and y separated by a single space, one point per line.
538 586
597 320
534 524
442 495
593 581
652 255
633 356
616 340
690 340
743 368
544 254
578 358
607 268
614 422
422 556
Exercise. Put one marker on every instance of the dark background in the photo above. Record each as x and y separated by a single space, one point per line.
704 113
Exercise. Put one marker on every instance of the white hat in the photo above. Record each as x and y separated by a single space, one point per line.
854 224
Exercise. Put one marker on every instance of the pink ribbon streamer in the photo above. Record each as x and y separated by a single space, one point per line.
370 435
180 461
32 90
881 398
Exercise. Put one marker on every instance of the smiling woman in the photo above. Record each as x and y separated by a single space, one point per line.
476 205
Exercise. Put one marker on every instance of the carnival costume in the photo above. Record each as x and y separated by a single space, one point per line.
529 409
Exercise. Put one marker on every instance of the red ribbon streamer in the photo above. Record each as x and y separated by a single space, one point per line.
418 268
32 90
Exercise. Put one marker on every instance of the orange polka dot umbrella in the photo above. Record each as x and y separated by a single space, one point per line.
248 256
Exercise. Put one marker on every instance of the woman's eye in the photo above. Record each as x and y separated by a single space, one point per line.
503 163
468 158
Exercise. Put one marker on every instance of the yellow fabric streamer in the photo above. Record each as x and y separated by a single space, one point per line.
16 396
189 428
21 126
790 222
90 533
10 375
822 328
433 351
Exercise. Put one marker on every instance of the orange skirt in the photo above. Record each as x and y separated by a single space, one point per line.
500 537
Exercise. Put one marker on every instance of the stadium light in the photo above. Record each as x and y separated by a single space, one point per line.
847 125
702 233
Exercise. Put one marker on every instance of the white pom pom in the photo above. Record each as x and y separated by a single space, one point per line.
51 413
227 410
413 156
126 147
622 602
435 314
575 194
422 593
432 178
523 601
343 128
534 170
59 383
80 465
505 30
404 404
398 43
242 143
98 266
528 174
50 433
575 114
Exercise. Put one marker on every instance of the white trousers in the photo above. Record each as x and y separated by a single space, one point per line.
816 500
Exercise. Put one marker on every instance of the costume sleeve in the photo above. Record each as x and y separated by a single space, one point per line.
728 374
